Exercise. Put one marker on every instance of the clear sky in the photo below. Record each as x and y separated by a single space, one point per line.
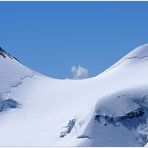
51 37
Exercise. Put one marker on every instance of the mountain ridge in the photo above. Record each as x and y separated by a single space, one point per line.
107 110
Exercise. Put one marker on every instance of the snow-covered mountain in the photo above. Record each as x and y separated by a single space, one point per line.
110 109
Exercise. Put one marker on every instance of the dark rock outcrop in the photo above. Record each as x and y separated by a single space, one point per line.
4 54
7 104
130 120
68 128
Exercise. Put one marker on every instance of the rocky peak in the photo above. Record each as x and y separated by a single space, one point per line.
5 54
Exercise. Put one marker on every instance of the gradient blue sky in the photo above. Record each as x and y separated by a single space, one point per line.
51 37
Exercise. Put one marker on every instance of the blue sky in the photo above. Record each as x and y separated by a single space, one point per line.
51 37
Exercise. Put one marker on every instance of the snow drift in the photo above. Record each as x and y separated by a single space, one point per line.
110 109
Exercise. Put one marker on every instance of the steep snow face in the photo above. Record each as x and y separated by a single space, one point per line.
110 109
11 73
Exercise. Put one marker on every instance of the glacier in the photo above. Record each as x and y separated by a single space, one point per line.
110 109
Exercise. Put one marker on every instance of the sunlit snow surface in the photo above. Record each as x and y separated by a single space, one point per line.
110 109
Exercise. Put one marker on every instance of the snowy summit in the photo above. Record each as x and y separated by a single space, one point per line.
139 52
110 109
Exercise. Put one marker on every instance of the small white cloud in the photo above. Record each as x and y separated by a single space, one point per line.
79 72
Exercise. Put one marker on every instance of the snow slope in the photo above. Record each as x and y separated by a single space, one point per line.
11 72
110 109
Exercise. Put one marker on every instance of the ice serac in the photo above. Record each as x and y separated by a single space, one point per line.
110 109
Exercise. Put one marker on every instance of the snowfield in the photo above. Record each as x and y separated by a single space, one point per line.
110 109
